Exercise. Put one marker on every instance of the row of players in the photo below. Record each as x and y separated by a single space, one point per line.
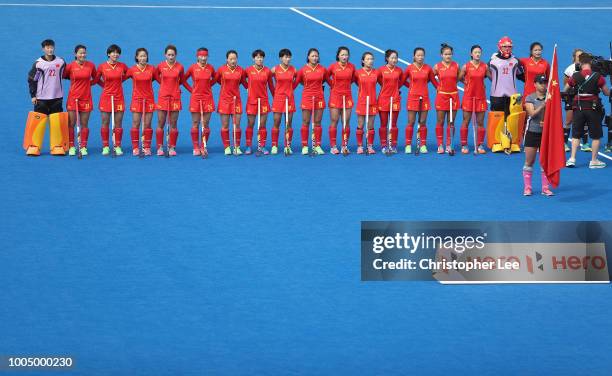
503 69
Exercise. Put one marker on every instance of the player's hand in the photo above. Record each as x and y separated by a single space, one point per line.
34 100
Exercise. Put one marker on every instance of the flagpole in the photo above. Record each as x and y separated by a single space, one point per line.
551 71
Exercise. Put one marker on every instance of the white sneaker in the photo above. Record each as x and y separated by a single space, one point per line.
571 163
597 164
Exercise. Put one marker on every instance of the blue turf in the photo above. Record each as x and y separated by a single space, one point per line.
245 265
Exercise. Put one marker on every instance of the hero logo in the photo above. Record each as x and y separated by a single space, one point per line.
565 263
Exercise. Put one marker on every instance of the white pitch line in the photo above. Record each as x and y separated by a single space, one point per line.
63 5
605 155
350 36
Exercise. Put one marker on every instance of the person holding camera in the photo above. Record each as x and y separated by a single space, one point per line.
568 98
587 108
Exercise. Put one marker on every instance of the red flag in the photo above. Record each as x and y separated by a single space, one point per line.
552 149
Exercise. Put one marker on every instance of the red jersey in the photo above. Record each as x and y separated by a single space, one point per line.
170 78
340 78
390 80
474 80
417 78
533 68
366 80
203 79
230 80
447 77
285 79
81 78
255 81
110 77
312 79
142 79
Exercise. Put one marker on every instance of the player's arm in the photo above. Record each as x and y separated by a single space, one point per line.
184 79
462 71
33 76
299 79
433 80
244 79
271 83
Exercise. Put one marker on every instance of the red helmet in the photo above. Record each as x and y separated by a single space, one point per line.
505 46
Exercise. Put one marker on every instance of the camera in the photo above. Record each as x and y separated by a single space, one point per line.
599 64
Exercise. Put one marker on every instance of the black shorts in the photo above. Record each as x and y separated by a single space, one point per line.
590 119
49 106
500 104
533 139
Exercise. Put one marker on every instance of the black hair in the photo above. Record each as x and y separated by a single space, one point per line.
258 52
533 45
47 42
170 47
417 49
475 47
284 52
229 52
310 50
364 56
340 49
78 47
445 46
388 54
113 48
202 49
139 50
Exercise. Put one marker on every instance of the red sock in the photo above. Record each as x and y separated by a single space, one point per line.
225 138
423 134
173 137
71 137
394 132
382 132
346 135
359 136
249 136
318 133
118 133
263 136
409 133
440 133
104 134
148 136
304 132
195 138
134 135
239 136
448 135
481 135
384 118
206 134
275 132
289 136
371 137
464 136
84 137
159 137
333 132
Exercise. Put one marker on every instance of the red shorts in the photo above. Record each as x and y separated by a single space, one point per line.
319 103
335 101
384 104
169 104
278 105
105 104
208 105
443 101
225 107
136 105
468 103
251 108
361 109
85 105
413 104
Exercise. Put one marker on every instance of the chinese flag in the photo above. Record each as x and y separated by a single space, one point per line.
552 153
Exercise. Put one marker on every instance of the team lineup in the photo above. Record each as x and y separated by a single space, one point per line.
503 69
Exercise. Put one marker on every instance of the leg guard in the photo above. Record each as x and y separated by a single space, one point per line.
34 133
58 133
